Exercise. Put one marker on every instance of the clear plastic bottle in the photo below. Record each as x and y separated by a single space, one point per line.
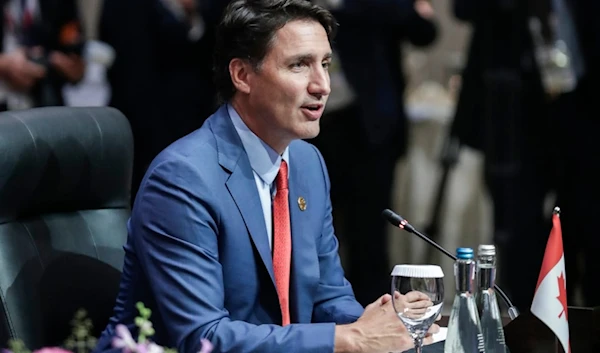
464 330
487 304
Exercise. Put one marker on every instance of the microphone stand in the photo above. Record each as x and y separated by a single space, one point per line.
448 160
398 221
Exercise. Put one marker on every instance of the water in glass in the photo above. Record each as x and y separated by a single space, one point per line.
418 292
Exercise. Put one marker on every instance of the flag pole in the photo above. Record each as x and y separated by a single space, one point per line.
551 309
556 211
558 348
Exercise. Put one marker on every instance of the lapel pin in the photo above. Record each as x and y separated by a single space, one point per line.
302 203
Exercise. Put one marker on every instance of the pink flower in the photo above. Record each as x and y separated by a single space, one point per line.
123 340
51 350
141 348
207 347
154 348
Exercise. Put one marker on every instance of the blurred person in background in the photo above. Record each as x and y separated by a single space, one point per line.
41 44
364 130
576 148
503 111
162 75
536 130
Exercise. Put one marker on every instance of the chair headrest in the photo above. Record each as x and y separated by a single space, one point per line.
60 159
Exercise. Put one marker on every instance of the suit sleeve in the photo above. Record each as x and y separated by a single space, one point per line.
175 229
334 301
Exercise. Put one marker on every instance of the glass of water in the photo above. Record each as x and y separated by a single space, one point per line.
418 292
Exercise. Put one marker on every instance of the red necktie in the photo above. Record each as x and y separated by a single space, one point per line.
27 14
282 242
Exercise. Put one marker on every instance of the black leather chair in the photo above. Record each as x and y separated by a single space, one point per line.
65 176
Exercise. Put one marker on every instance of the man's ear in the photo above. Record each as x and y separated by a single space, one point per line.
241 73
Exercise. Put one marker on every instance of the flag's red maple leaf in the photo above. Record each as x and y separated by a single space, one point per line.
562 295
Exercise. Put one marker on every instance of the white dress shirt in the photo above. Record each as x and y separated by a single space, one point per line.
265 164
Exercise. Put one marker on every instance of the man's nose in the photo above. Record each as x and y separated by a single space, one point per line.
319 83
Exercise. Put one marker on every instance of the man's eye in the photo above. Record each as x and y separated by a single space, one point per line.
326 65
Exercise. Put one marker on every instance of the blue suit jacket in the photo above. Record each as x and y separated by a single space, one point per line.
198 254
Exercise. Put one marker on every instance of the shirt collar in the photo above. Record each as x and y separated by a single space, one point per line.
264 160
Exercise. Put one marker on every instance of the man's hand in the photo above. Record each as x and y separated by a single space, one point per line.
20 73
380 330
71 66
413 305
424 9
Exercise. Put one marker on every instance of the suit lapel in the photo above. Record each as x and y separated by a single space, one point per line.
242 187
241 184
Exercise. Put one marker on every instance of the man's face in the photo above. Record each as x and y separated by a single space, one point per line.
289 90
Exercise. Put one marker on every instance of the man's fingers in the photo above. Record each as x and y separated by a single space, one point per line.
414 315
71 66
385 299
435 328
60 60
21 82
429 336
415 296
34 70
426 303
428 340
380 301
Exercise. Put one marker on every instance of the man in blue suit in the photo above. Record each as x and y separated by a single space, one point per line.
211 250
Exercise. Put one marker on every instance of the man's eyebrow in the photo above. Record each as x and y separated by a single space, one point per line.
302 57
309 57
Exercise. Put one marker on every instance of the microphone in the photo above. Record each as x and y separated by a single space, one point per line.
397 220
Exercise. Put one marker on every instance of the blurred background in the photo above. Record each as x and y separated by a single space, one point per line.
472 119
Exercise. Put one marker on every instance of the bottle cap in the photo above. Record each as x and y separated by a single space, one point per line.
464 253
486 250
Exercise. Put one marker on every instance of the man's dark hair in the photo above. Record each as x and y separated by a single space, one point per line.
247 30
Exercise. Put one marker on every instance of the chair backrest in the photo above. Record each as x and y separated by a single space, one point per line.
65 176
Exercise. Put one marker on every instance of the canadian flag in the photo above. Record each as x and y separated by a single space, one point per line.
550 299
